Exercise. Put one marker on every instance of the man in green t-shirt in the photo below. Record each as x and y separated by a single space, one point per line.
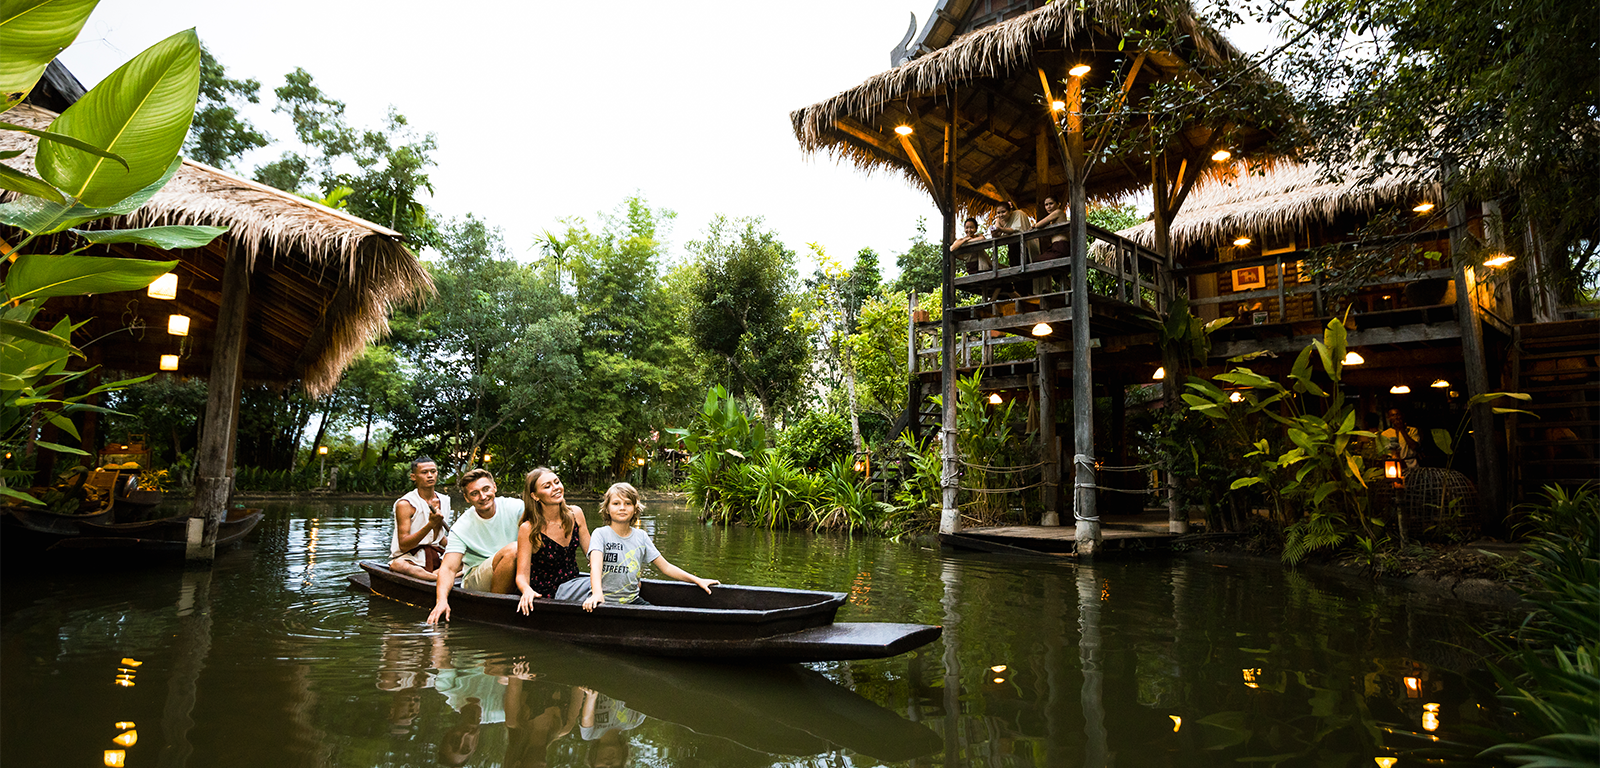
484 543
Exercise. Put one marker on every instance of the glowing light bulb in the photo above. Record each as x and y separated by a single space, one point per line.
1385 762
1079 71
1500 261
1057 106
1221 155
994 399
1422 207
127 738
169 362
903 130
998 668
1351 358
1042 329
116 758
1241 241
1177 722
1161 373
1236 398
1440 384
1400 389
178 325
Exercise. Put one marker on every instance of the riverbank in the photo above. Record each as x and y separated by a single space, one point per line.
649 494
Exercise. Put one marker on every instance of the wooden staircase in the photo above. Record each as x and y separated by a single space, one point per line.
1559 365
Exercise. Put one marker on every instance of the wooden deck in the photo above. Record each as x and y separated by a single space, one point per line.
1128 534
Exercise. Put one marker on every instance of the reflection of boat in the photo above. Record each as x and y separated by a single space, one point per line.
777 709
168 534
733 623
781 709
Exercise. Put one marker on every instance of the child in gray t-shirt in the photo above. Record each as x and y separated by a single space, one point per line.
618 552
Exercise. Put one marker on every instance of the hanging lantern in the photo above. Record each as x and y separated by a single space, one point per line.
169 362
1393 469
1161 373
165 287
994 399
178 325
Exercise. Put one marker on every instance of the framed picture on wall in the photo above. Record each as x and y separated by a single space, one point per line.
1246 278
1277 242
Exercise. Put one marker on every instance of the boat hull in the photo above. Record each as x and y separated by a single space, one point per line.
168 534
734 623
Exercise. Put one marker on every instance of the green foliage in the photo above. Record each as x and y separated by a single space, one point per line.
816 440
1551 676
987 438
140 112
1305 462
106 155
219 135
742 297
922 265
32 32
385 168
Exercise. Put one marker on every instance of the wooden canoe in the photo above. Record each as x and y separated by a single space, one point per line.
733 623
168 534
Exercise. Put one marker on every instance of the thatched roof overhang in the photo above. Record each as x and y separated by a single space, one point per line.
1004 122
322 282
1280 198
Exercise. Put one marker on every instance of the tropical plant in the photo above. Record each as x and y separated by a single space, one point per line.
104 156
1308 465
721 437
1550 676
816 440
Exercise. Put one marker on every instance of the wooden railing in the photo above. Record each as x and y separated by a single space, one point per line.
1137 275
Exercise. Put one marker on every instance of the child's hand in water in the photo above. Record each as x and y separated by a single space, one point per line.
594 600
706 584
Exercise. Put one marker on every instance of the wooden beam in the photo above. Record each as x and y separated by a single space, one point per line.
922 170
214 455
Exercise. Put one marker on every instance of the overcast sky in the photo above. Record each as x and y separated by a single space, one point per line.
545 111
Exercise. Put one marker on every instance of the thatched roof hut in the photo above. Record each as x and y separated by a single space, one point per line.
1278 198
322 282
1002 76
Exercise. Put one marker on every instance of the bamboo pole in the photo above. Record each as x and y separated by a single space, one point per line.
950 477
1086 517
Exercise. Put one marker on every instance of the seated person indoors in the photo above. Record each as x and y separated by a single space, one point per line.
618 552
1060 244
979 262
549 537
419 523
484 542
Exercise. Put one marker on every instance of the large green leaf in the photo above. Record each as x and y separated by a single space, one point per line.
17 181
59 448
45 217
26 332
32 32
141 111
36 276
12 493
67 140
168 238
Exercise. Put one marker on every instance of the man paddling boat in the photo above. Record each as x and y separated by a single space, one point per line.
420 523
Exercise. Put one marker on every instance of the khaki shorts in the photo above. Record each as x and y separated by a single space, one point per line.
480 578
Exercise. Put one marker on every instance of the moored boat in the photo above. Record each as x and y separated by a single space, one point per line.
167 534
733 623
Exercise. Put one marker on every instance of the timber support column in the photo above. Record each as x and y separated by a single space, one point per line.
1084 513
1050 480
213 485
950 476
1485 438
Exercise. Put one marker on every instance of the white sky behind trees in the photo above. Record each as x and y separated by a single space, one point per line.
545 111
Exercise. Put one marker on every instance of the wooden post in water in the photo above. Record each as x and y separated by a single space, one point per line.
1485 438
950 477
1050 473
213 485
1086 517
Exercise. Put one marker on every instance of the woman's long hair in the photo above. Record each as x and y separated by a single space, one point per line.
533 511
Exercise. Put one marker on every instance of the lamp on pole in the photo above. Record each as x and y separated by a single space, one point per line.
322 454
641 471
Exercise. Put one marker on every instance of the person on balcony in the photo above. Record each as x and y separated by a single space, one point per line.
1010 222
974 263
1060 245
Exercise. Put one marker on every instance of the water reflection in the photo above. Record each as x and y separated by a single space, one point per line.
270 660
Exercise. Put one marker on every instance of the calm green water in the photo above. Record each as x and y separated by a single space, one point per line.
269 660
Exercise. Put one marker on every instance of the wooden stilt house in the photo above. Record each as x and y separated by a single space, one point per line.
985 107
